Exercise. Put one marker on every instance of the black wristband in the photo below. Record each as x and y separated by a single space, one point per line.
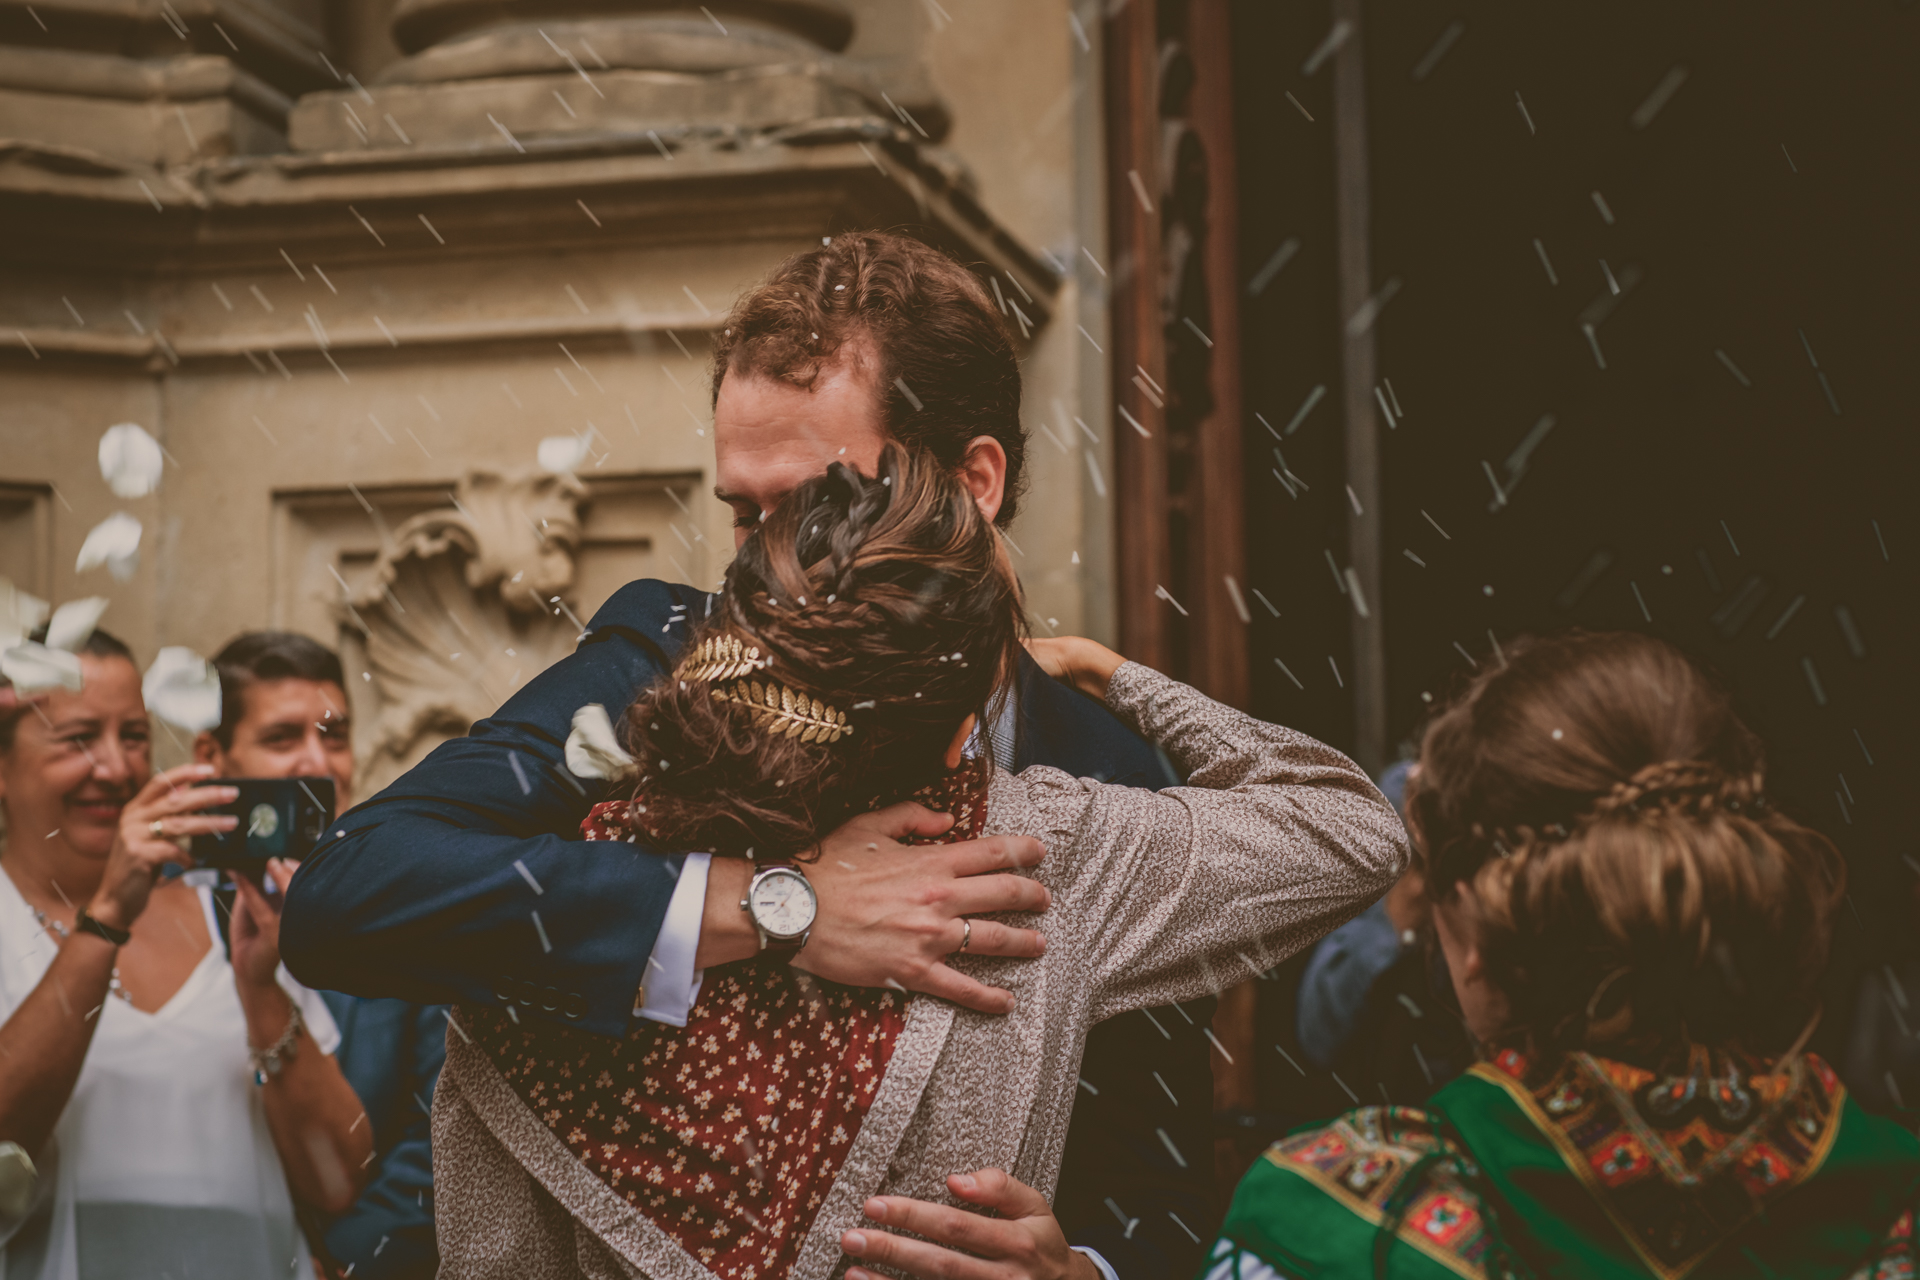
87 924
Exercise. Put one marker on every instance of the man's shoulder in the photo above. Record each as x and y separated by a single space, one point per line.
649 602
1062 727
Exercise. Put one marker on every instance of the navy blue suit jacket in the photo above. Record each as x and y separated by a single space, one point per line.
426 892
391 1052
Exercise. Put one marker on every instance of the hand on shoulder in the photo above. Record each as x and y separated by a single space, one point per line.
1085 664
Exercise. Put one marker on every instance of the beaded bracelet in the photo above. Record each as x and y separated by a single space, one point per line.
270 1061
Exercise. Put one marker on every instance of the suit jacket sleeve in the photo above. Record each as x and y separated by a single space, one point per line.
468 879
388 1234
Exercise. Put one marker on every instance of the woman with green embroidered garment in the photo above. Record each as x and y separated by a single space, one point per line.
1635 935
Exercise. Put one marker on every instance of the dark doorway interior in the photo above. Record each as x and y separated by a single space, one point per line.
1726 195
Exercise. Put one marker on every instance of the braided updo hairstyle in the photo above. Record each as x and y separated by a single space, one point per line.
1604 805
884 598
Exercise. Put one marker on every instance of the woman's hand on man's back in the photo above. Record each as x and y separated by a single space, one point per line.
1085 664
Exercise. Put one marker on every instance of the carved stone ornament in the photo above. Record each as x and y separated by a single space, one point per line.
463 606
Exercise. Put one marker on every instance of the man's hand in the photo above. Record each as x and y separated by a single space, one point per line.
890 914
892 911
1023 1243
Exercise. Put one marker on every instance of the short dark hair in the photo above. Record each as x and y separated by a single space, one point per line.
268 655
947 370
99 644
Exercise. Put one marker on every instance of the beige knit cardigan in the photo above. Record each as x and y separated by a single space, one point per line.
1157 897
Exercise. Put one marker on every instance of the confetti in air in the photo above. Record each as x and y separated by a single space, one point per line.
20 613
34 668
130 460
562 454
115 543
593 749
183 689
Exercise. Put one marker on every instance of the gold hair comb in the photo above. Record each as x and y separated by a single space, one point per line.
721 658
786 712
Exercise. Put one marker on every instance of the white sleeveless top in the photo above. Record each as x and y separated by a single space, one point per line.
162 1163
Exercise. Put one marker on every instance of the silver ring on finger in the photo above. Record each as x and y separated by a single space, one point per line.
156 829
966 936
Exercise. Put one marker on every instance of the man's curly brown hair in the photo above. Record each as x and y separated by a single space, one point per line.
937 350
887 599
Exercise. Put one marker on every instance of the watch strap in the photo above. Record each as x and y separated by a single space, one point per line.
84 923
772 946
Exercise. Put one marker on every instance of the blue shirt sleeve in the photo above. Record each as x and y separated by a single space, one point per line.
392 1054
468 879
1333 990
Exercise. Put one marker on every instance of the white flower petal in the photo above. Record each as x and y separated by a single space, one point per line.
592 749
20 613
183 688
114 542
560 454
130 460
34 668
73 622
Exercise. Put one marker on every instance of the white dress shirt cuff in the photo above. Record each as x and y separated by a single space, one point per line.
672 984
1099 1263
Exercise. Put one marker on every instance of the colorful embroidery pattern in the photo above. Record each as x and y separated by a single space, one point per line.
1680 1160
1363 1160
1897 1258
727 1133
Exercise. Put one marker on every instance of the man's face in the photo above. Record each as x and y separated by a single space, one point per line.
290 728
769 436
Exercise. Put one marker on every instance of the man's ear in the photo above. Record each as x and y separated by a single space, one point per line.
984 471
206 749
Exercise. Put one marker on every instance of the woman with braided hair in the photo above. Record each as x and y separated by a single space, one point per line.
858 655
1635 934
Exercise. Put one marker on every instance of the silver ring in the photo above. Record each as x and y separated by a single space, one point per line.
966 936
154 829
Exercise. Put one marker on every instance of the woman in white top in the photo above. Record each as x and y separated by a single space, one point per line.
177 1104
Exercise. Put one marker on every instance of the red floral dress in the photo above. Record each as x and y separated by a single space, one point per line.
727 1133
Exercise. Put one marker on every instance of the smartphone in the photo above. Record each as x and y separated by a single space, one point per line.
279 818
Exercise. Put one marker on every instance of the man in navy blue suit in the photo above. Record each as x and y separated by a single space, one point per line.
467 878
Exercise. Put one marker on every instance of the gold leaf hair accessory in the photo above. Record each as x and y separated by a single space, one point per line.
782 711
721 658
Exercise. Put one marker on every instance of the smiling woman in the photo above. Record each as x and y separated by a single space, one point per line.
176 1094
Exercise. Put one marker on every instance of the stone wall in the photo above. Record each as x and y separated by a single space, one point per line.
466 228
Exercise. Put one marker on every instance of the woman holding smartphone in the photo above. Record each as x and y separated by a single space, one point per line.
177 1096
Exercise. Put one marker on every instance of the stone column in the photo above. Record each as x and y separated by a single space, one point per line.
515 74
158 84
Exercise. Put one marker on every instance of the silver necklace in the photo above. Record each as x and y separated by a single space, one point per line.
114 985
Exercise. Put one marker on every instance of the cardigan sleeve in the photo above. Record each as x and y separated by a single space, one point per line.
1275 840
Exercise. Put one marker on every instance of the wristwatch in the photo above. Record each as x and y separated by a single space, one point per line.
781 903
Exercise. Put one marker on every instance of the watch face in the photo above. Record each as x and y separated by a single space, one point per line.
782 904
